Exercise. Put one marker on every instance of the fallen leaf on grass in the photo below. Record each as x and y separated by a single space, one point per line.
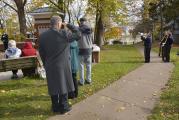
69 103
162 114
7 113
43 94
90 90
3 91
40 116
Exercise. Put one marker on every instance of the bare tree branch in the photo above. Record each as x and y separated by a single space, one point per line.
25 1
55 4
10 6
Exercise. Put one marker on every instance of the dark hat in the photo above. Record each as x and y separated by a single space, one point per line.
82 19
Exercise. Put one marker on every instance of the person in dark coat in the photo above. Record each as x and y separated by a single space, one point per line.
165 36
167 47
28 50
147 47
5 40
54 49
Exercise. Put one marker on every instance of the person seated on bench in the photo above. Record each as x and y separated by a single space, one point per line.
28 50
13 52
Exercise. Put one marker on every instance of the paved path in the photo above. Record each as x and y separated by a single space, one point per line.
7 75
130 98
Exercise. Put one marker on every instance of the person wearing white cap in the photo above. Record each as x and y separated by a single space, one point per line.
13 52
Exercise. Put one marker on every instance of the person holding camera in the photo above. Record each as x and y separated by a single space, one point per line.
54 49
85 51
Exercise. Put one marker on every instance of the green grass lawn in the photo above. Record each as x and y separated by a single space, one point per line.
27 98
168 107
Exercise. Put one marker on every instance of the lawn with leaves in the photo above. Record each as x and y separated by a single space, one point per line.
168 107
27 98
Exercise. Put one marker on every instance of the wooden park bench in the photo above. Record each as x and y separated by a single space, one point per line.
18 63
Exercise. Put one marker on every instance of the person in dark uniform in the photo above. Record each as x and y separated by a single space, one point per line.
147 46
165 35
167 47
162 45
5 40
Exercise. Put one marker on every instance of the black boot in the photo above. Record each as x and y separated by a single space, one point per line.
55 104
63 102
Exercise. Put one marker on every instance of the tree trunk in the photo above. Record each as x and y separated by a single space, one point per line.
22 20
21 16
1 25
99 29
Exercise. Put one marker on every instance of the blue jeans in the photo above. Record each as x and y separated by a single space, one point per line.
85 59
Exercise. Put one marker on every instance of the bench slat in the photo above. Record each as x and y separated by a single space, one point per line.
18 63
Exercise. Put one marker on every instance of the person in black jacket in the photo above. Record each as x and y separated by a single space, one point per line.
5 40
147 46
167 47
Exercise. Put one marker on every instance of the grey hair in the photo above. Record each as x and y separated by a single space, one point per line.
55 20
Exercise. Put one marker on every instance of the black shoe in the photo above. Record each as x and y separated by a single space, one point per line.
86 82
65 110
56 110
80 84
14 76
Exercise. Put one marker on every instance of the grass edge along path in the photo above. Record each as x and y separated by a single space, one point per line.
168 106
27 99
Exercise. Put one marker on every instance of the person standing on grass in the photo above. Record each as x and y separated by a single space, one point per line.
74 64
85 51
13 52
167 47
147 46
54 49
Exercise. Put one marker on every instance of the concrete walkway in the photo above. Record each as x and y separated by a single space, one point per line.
130 98
7 75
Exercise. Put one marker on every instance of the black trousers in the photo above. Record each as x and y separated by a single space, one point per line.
5 45
74 94
147 53
166 53
74 75
59 103
14 72
28 71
